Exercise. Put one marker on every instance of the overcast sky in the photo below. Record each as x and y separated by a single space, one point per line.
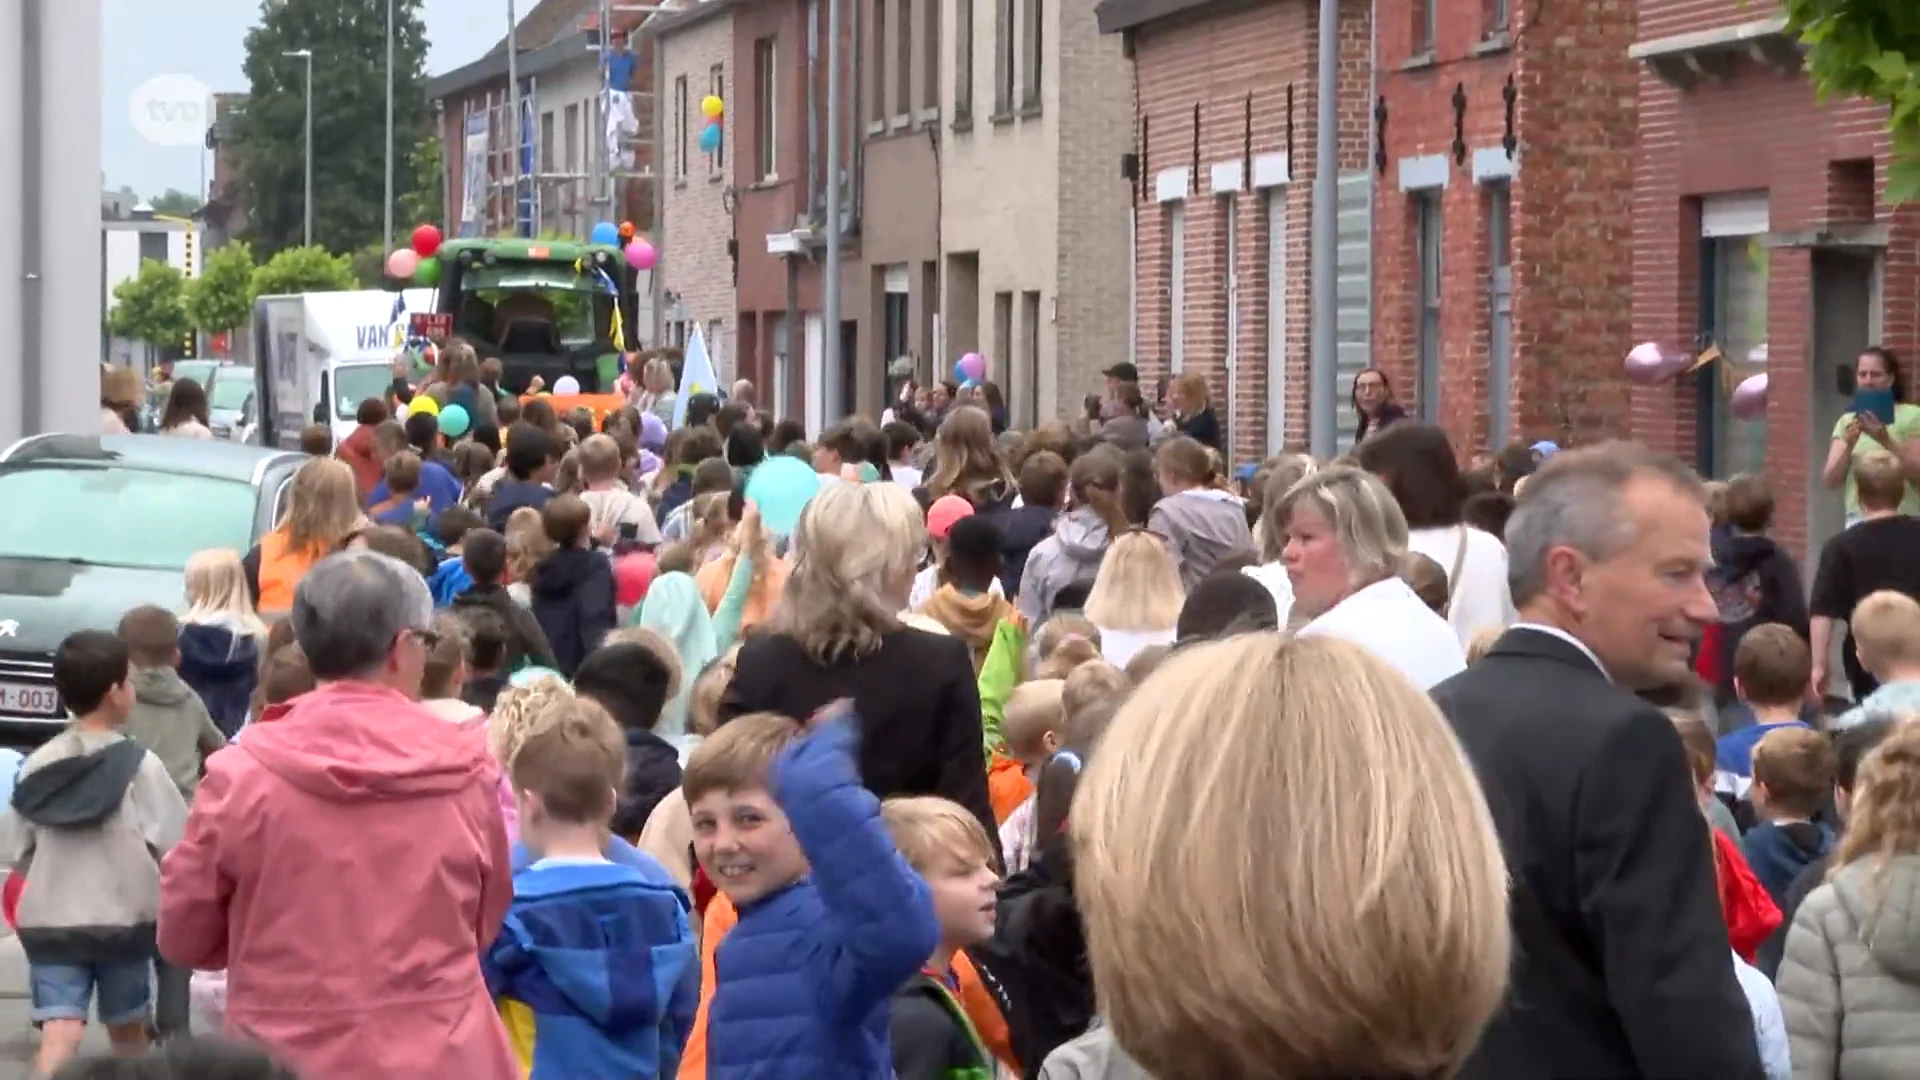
206 39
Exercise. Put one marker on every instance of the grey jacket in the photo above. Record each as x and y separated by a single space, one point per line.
1093 1056
1201 527
1072 554
169 719
1850 981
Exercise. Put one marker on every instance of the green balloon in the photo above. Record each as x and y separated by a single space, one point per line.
429 272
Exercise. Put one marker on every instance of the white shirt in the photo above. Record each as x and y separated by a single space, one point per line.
1397 626
927 582
1274 576
1554 631
907 476
1479 595
1119 647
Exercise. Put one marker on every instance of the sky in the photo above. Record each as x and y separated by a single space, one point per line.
205 39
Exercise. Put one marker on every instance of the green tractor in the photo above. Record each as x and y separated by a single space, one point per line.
542 307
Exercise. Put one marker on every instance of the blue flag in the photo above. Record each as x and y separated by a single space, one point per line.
696 375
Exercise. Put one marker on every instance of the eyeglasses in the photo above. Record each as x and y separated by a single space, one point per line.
427 638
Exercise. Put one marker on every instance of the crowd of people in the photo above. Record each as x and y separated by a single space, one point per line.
1066 753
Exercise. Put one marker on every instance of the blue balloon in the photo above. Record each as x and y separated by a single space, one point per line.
781 487
606 233
959 372
710 138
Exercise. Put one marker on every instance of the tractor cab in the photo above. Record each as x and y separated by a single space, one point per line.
546 308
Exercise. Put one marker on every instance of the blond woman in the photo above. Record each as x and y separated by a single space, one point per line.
1369 938
323 511
1136 597
966 462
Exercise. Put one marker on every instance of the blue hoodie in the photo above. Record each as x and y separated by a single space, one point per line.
222 667
1778 853
595 972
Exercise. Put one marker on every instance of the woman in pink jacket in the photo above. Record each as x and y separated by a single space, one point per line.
346 863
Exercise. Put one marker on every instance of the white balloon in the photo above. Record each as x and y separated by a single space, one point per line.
405 408
1750 398
566 384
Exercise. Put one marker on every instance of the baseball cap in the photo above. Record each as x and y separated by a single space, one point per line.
1545 448
946 510
1123 371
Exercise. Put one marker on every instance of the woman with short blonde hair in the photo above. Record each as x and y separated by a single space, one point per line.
1370 935
1136 597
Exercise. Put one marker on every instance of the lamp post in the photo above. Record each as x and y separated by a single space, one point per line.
307 55
387 216
830 289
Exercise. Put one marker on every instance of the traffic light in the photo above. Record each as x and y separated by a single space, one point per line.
188 346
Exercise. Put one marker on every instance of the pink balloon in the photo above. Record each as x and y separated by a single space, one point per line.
1648 364
402 264
973 366
1750 398
640 255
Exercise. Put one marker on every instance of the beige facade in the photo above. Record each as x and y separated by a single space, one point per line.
696 222
1034 210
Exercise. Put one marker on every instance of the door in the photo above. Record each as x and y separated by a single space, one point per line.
1843 290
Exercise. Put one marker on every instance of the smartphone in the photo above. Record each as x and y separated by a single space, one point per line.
1877 402
1160 388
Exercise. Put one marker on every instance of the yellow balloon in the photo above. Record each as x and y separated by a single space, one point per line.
421 403
712 107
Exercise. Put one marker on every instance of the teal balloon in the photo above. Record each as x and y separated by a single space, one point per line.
606 233
781 487
454 421
527 676
710 138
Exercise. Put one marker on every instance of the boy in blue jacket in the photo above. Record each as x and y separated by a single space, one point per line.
832 920
595 971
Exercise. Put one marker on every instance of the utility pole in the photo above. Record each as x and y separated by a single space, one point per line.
307 55
513 105
387 219
1323 360
830 290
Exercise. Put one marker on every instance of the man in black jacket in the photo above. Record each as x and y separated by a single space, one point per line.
1622 965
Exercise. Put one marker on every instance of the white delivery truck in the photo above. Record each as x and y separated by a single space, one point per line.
319 355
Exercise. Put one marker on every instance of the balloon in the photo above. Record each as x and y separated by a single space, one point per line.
1750 398
710 138
1648 364
605 233
426 241
402 264
712 107
454 421
427 273
781 487
640 255
566 384
626 231
972 367
527 676
421 403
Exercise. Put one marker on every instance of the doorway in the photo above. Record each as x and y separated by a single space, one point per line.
1844 286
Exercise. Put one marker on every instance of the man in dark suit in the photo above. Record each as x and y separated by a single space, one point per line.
1622 966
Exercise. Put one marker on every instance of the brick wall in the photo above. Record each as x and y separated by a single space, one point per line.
1219 63
695 222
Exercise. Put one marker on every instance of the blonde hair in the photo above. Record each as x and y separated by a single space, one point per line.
1065 641
527 542
1370 936
965 459
1880 481
323 507
216 586
853 557
1883 822
1886 630
518 713
1361 513
446 656
599 458
1192 389
1716 493
119 386
1427 579
1034 710
1482 642
931 831
709 688
1282 472
739 756
1138 587
1084 692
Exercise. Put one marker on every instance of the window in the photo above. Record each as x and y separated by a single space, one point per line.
963 62
1028 411
903 62
1738 318
546 143
680 127
1002 330
880 61
1425 28
572 139
1177 286
1276 319
1499 16
1427 237
1032 18
717 86
930 57
895 327
120 517
1500 300
765 86
1003 65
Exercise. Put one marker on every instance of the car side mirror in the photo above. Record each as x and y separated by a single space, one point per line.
320 413
1844 381
246 411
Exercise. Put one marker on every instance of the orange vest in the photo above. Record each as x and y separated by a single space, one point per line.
281 569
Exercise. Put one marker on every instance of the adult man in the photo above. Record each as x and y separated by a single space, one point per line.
345 861
1622 967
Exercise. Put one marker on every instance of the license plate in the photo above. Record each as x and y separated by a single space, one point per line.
26 699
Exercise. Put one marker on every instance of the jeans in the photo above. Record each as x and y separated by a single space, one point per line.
64 991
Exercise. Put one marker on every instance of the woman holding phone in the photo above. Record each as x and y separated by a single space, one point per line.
1880 420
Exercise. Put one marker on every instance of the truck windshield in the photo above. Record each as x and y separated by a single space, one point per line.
493 299
113 516
356 383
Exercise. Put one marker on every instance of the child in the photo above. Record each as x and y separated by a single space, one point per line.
677 610
220 637
520 711
1754 580
1035 728
90 853
527 544
1793 769
573 585
902 440
1200 522
1225 603
1771 669
1886 635
316 440
579 1001
1697 738
487 643
1427 579
403 505
1065 641
444 677
1043 494
621 519
711 477
967 602
449 529
633 682
532 459
945 844
484 555
168 718
831 920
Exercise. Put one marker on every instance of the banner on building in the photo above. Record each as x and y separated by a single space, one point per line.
473 196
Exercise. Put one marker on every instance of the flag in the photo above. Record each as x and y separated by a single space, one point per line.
696 376
397 321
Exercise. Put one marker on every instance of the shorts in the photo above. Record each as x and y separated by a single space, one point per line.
64 991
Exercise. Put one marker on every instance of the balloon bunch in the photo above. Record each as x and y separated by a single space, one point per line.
638 249
970 369
713 109
417 263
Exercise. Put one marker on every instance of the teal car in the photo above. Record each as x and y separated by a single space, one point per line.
97 525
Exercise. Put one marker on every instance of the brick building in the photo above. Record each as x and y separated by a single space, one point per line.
1760 228
1224 132
1503 274
694 53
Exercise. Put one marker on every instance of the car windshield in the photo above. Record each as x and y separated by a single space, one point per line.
356 383
116 516
230 388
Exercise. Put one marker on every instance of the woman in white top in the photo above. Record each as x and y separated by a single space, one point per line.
186 411
1345 537
1136 597
1271 534
1417 463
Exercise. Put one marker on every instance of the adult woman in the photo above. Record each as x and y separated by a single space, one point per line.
119 400
1271 532
1417 464
965 461
987 395
1345 539
1193 413
456 381
1858 434
185 414
836 633
1369 939
1373 404
655 394
1136 597
322 512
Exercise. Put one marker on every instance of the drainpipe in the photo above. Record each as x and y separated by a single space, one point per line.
1323 360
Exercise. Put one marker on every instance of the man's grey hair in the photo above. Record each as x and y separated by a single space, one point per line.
1574 501
350 607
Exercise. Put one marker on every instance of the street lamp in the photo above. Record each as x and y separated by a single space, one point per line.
387 218
307 55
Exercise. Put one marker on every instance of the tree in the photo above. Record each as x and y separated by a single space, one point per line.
348 40
176 203
151 306
1869 48
426 198
304 269
221 298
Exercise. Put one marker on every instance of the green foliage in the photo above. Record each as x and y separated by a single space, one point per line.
151 306
425 199
348 39
303 269
221 298
176 203
370 263
1869 48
